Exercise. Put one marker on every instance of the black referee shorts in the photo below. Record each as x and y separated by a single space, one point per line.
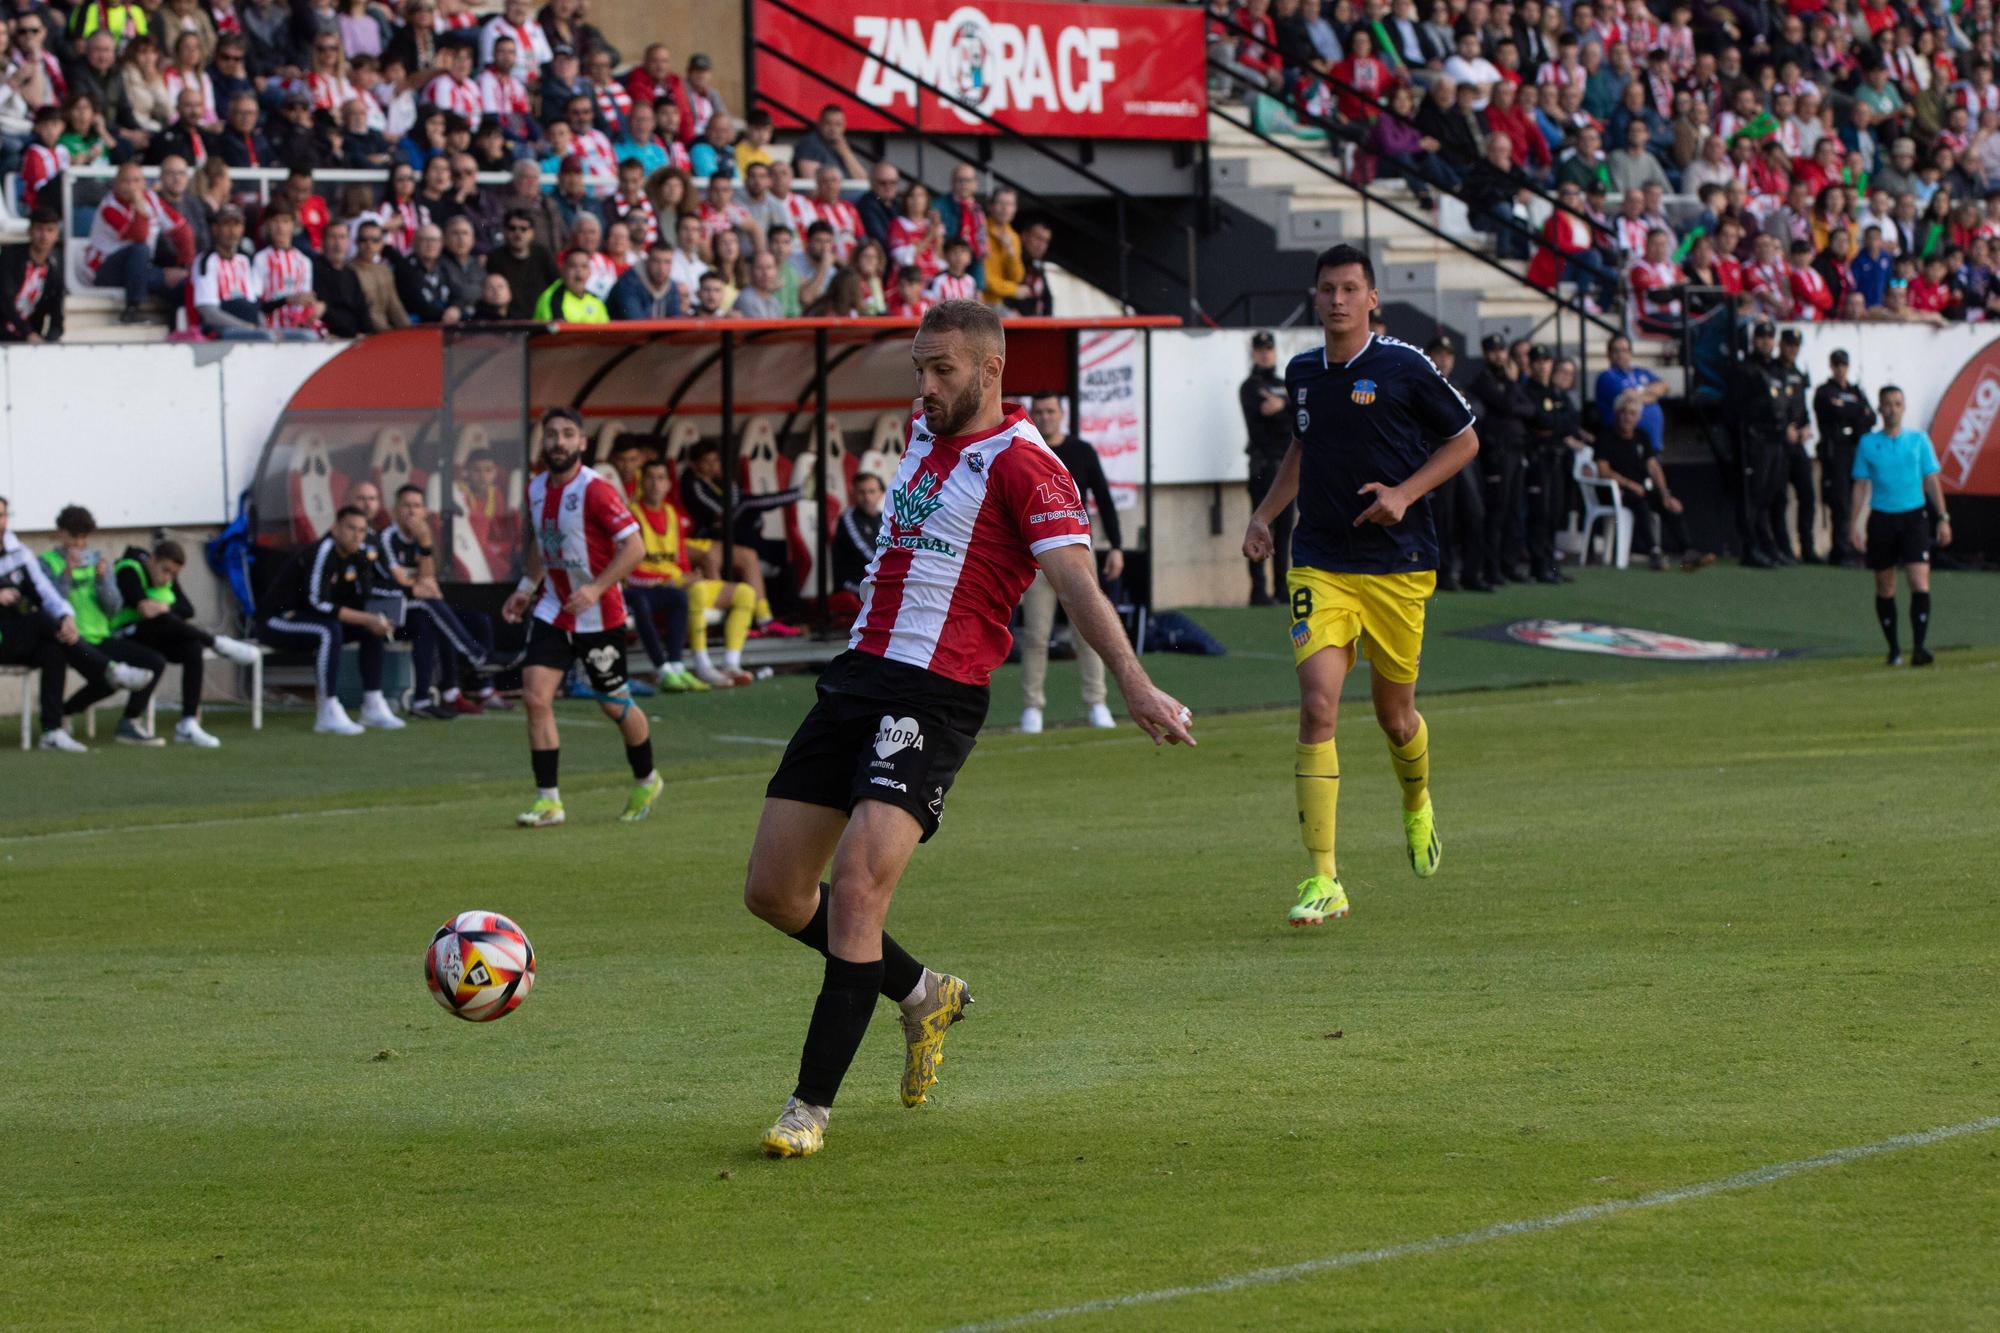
881 731
1898 539
602 653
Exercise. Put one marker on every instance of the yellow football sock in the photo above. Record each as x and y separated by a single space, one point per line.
1316 780
1412 763
763 605
736 622
701 600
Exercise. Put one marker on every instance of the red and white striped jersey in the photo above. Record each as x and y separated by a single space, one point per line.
640 215
454 95
578 527
284 272
966 519
614 105
1561 75
40 165
800 213
1647 278
845 219
330 92
600 163
715 221
503 94
531 43
944 287
216 278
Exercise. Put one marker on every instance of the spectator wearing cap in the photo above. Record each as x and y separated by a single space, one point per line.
703 100
1267 420
1842 411
31 283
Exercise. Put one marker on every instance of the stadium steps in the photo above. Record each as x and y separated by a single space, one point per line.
1308 210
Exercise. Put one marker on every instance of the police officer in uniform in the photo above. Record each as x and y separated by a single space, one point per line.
1844 416
1504 407
1758 414
1461 508
1556 419
1268 420
1798 463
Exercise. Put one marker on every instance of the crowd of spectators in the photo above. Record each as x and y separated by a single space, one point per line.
630 195
1833 159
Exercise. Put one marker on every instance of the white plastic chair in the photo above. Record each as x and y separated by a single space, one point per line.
1601 502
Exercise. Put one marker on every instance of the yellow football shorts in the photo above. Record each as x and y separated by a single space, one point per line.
1384 611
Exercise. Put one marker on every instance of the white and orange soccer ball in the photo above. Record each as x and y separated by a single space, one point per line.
480 966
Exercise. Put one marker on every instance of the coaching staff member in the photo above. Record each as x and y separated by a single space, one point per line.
978 505
1262 397
318 602
1896 471
1844 416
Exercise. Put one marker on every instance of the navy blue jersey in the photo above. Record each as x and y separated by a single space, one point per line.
1375 418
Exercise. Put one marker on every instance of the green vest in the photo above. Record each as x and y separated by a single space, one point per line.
557 303
129 615
79 588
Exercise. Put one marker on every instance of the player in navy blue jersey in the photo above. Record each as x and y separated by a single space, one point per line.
1375 429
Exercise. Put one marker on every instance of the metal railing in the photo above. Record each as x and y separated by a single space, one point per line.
1122 199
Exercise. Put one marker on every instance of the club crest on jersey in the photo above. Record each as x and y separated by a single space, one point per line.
572 500
1304 420
1364 392
976 461
897 734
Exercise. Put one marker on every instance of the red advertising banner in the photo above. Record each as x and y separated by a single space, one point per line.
1963 431
1073 70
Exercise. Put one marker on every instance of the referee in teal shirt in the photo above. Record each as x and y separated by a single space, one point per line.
1896 490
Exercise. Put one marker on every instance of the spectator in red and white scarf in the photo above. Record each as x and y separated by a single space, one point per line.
37 75
31 284
614 103
631 206
401 212
515 23
123 234
454 90
592 145
963 215
799 211
1769 280
327 86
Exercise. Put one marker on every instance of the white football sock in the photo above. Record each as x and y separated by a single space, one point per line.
732 658
549 794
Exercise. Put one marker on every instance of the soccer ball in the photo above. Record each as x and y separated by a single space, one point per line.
480 966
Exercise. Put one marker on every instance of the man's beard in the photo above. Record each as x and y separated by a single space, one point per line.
558 460
954 416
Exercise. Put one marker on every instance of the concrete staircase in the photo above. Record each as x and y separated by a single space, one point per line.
1308 210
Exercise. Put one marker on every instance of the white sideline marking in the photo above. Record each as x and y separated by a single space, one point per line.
1264 1277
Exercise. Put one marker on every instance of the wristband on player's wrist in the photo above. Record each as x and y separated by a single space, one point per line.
527 586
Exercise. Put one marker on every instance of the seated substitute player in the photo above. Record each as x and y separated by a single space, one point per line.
1376 429
154 613
1896 492
662 585
977 503
583 543
318 602
439 633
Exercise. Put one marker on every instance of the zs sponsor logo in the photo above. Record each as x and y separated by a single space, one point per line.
1058 493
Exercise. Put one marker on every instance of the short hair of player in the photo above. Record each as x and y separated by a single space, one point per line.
409 488
76 521
568 414
654 462
1340 256
701 449
349 511
168 549
977 322
1888 389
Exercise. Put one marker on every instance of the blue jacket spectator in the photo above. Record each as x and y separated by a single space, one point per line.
635 296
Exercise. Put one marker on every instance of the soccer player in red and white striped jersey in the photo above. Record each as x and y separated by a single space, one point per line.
978 503
582 543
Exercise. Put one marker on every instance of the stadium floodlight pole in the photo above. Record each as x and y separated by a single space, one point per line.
822 576
728 454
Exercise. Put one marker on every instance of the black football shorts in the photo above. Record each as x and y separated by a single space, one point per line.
881 731
1898 539
602 653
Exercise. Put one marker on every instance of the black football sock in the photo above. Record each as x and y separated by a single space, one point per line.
640 756
545 765
900 972
840 1019
1920 619
1885 611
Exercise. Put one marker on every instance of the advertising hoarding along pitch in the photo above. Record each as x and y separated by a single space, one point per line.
1047 69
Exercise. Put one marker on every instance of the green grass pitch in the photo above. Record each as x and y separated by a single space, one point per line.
1692 920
